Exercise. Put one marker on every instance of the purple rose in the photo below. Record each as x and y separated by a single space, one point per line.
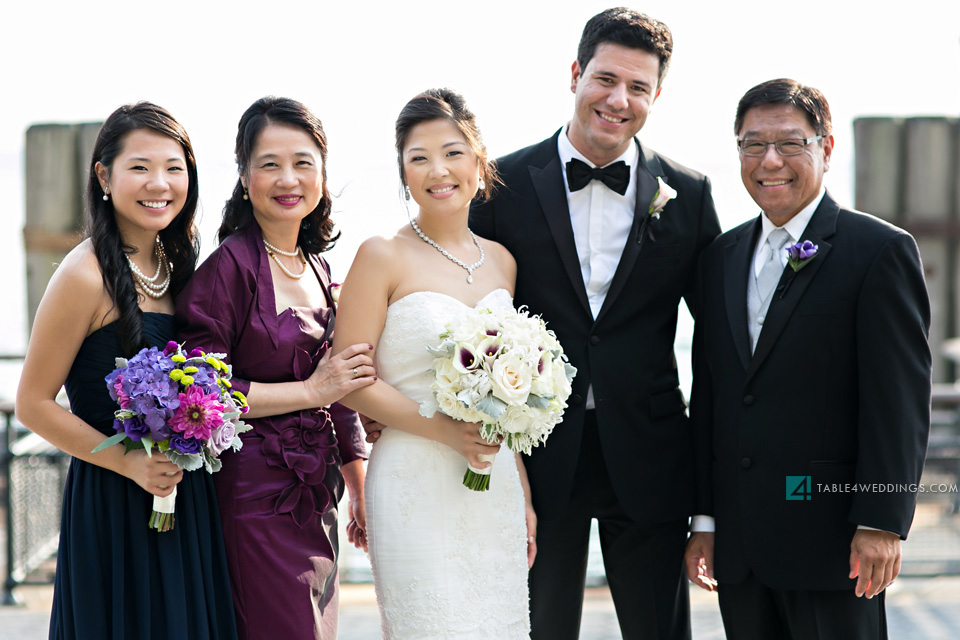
221 438
186 446
800 254
195 353
135 428
171 347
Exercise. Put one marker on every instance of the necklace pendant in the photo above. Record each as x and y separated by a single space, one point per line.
470 279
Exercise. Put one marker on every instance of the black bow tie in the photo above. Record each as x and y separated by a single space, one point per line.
616 176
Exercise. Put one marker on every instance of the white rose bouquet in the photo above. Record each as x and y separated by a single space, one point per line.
505 370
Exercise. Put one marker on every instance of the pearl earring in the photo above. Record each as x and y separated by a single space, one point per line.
106 195
406 192
245 196
481 185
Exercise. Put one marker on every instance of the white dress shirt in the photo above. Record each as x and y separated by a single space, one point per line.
601 219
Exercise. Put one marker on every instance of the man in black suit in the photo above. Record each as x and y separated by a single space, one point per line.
607 268
811 391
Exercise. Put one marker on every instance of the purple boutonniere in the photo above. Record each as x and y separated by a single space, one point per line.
335 292
800 254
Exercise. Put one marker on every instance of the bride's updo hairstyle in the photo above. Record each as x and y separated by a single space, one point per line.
445 104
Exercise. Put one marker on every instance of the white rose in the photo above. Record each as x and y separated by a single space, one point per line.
511 379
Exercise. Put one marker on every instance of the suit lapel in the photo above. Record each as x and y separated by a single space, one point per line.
792 285
548 183
647 187
736 270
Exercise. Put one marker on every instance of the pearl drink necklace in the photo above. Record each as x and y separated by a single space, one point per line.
469 268
275 253
149 285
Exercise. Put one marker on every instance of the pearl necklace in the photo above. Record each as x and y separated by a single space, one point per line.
275 253
469 268
149 285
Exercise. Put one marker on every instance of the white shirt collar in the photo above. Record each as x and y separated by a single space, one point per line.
567 152
796 225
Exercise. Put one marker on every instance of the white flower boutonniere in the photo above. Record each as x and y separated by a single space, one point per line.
664 194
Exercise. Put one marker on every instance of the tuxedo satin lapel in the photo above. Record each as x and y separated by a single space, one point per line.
646 189
548 183
793 284
736 270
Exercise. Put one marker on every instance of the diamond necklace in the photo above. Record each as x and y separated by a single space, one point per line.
149 285
469 268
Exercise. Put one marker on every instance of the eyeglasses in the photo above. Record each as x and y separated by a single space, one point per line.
788 147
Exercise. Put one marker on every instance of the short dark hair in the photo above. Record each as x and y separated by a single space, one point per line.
444 104
810 101
628 28
316 230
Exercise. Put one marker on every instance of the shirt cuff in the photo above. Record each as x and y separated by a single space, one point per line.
702 524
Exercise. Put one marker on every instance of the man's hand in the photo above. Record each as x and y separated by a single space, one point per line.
372 427
699 560
874 560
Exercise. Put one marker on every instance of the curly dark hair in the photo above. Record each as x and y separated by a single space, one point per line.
627 28
810 101
445 104
316 229
180 239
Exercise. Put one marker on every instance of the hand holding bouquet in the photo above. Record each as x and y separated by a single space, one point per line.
179 403
505 370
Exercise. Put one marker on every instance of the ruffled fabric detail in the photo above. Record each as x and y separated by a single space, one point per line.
307 446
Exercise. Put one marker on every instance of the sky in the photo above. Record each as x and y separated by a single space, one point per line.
67 62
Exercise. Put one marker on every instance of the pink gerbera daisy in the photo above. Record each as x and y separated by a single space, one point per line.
198 414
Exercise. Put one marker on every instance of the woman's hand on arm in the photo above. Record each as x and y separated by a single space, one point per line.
329 382
353 476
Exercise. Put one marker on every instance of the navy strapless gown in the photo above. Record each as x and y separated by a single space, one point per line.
116 578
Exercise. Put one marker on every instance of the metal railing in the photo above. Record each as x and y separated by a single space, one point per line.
35 472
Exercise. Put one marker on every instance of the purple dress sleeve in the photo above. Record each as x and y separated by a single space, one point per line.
215 306
350 435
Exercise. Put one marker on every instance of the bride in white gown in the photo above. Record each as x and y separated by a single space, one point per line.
448 562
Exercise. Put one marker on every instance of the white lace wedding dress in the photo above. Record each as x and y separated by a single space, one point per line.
447 562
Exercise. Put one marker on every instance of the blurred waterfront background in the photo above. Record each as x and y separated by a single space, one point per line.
355 66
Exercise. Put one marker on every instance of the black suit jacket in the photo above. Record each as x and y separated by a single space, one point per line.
838 389
627 352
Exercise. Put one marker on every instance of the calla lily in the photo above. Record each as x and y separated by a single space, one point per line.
665 193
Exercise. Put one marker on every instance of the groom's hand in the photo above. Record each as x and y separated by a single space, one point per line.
372 427
699 560
874 560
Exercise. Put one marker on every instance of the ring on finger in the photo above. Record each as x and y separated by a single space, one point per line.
355 373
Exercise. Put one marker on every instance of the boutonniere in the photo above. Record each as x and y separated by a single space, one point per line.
664 194
800 254
335 292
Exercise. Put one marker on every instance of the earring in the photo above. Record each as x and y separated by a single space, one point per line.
106 195
406 192
481 185
245 196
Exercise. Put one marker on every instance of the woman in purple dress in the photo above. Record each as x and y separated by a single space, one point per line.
263 298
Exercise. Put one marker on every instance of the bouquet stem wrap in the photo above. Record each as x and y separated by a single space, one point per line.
162 517
479 479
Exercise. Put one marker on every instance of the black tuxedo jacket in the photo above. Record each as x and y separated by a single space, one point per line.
627 352
838 389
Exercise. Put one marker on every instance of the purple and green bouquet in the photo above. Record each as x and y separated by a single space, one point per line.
180 403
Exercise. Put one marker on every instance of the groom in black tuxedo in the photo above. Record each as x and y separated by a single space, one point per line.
811 391
605 258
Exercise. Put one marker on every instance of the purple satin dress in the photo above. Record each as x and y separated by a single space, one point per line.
278 495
